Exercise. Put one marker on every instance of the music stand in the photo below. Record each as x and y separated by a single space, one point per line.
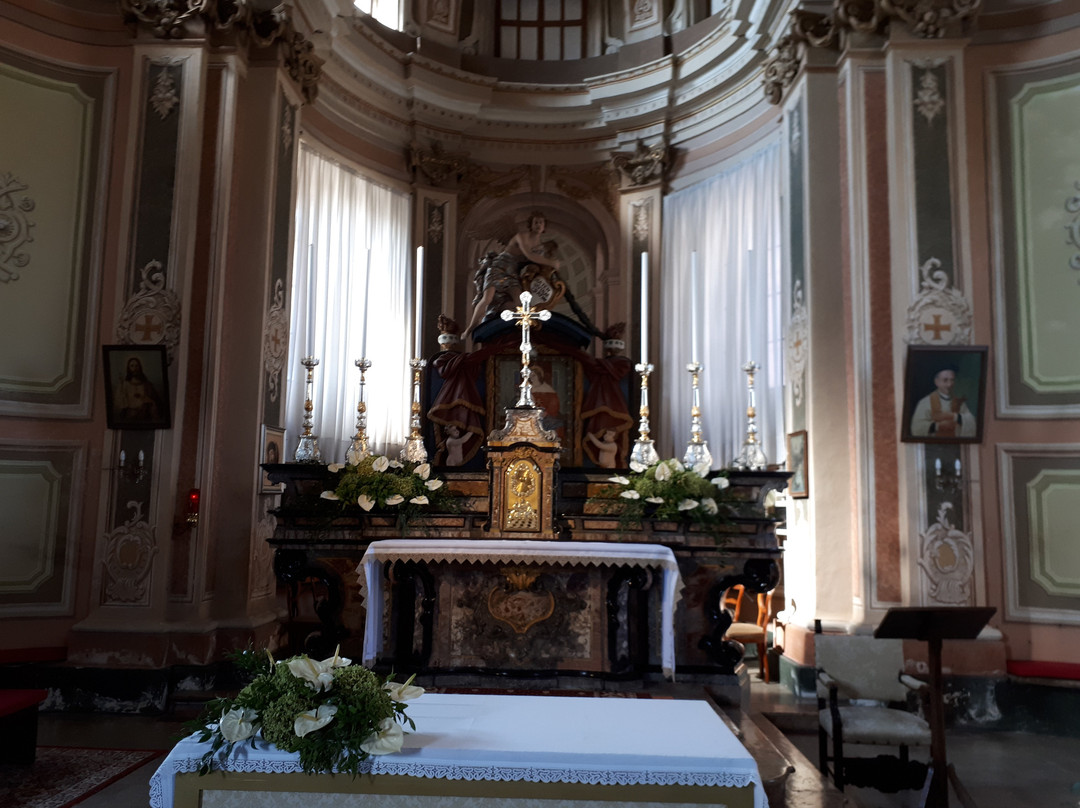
932 625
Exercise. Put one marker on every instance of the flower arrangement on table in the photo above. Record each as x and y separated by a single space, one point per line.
333 713
377 482
668 490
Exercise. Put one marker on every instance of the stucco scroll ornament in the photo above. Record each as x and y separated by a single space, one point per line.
928 99
129 553
164 98
438 166
642 221
931 18
261 563
151 316
644 165
436 225
787 56
947 558
166 18
939 314
15 224
1072 205
797 339
275 340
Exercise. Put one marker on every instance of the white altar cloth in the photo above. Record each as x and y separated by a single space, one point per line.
558 553
529 739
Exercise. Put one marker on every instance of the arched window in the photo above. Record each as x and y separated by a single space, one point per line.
388 12
540 29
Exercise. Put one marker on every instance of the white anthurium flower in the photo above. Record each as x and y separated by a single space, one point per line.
387 740
655 500
404 691
433 485
318 675
396 464
334 468
619 480
420 500
663 472
702 469
423 471
329 495
365 502
397 499
238 724
314 719
631 494
688 504
636 466
380 463
721 482
708 504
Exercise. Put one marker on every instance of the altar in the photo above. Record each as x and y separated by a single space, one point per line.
494 751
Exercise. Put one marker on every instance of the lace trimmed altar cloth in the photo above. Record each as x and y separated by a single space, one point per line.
632 744
558 553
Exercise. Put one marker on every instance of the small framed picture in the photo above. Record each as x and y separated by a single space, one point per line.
799 484
944 394
136 386
273 450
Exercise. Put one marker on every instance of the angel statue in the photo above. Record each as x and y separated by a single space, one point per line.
501 277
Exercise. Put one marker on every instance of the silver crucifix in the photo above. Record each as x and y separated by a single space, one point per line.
525 314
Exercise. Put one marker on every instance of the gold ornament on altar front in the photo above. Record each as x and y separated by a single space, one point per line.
517 604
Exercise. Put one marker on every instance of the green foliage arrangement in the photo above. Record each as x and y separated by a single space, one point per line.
333 713
668 491
379 483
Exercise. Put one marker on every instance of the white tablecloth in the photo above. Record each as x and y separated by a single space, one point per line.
546 739
558 553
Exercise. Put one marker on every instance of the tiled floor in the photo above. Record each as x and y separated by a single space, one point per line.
1000 770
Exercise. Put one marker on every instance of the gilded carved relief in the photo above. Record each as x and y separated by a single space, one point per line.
519 602
523 488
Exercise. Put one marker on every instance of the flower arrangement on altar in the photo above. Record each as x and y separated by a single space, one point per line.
333 713
668 490
377 482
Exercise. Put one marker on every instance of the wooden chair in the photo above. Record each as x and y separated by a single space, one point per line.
746 632
860 684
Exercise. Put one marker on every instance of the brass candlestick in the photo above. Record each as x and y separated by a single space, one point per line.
644 452
307 450
752 456
358 449
697 450
414 449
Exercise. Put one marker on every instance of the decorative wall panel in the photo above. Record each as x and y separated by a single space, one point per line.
40 490
49 182
1037 252
1040 510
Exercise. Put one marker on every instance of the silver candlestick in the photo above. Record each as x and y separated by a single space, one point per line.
644 452
414 449
307 450
752 457
697 450
358 449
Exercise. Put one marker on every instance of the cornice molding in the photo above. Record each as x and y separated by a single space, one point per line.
926 19
175 19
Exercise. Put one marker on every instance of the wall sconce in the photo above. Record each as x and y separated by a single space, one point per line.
947 482
193 507
135 472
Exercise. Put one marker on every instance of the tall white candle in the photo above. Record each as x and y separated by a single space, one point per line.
419 298
311 302
644 308
695 295
363 321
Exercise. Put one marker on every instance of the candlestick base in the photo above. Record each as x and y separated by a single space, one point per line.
644 452
307 450
697 454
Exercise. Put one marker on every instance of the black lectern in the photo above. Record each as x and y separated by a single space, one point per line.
932 625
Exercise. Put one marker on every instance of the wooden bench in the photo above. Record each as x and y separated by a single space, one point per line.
18 724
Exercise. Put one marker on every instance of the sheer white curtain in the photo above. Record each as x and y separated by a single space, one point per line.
733 222
342 218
